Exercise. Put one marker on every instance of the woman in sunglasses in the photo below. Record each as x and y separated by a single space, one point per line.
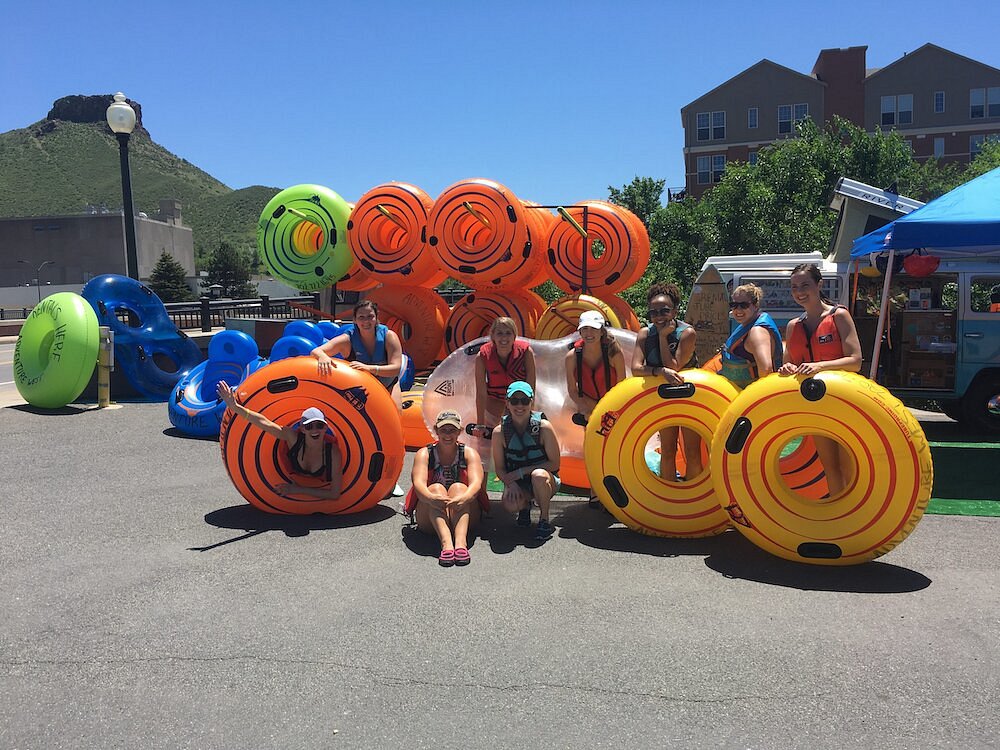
526 458
312 448
664 348
502 360
753 350
822 338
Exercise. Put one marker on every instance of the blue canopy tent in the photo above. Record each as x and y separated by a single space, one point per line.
964 222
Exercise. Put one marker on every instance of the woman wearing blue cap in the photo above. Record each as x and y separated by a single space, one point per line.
312 447
526 457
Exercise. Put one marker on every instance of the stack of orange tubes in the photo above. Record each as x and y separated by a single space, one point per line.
625 257
483 236
387 232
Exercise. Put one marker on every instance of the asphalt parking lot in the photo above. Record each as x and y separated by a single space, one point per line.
148 606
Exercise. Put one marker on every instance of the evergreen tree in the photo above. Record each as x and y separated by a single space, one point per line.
168 280
231 269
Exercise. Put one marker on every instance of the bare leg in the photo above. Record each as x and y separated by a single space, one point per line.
543 487
432 519
462 517
836 463
668 454
692 453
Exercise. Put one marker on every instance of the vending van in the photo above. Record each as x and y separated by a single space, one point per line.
942 333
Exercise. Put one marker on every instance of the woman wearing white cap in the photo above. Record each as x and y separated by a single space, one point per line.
594 364
447 496
312 447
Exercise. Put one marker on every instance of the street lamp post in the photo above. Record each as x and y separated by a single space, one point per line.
38 275
121 120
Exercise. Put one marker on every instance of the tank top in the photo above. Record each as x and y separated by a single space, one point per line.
594 382
651 348
738 365
329 441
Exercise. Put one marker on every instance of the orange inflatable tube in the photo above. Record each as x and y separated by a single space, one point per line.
361 414
415 432
624 258
422 312
387 234
626 315
562 316
473 315
481 235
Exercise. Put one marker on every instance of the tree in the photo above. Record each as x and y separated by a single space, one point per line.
168 280
641 197
231 268
986 160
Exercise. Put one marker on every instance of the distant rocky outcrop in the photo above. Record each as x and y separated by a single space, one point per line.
79 108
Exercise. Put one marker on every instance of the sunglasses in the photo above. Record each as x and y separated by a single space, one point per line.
739 305
313 426
656 311
519 401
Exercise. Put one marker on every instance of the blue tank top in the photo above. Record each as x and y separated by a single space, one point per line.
738 365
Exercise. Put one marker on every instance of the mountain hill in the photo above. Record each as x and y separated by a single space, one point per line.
70 159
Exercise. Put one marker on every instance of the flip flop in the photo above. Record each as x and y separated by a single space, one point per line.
462 556
447 558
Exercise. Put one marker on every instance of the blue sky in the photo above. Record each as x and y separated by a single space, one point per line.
557 100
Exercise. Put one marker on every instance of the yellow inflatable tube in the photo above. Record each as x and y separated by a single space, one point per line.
882 502
614 450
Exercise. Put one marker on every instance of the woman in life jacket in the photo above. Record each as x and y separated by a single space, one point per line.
822 338
663 348
368 345
594 364
526 459
502 360
448 496
753 350
311 446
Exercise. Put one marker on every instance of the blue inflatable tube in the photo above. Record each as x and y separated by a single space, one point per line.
149 349
195 408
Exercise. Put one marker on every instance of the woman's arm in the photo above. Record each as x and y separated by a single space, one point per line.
227 394
551 445
474 475
618 365
788 367
758 345
325 352
685 347
851 361
394 355
419 475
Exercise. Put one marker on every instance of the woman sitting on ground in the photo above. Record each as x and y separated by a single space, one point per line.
447 496
312 448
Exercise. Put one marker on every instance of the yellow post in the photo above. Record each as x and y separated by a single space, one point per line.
105 364
296 212
576 225
388 214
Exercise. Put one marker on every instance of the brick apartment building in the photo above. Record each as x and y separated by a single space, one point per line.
944 105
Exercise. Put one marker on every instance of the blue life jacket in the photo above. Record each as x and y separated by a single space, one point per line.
378 357
651 346
738 365
523 450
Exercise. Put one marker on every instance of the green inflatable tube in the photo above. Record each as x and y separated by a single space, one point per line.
56 352
302 237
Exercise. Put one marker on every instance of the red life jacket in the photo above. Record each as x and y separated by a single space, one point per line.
823 345
498 376
594 382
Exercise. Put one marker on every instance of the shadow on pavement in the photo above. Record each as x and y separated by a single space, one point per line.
254 522
740 559
175 433
61 411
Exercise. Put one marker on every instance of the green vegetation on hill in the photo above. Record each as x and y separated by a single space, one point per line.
58 167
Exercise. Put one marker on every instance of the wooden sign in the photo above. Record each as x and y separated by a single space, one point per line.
708 312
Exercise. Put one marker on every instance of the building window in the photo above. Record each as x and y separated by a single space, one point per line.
752 159
977 103
704 132
718 167
784 118
993 102
704 170
752 118
801 112
897 110
718 126
938 102
975 145
938 148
